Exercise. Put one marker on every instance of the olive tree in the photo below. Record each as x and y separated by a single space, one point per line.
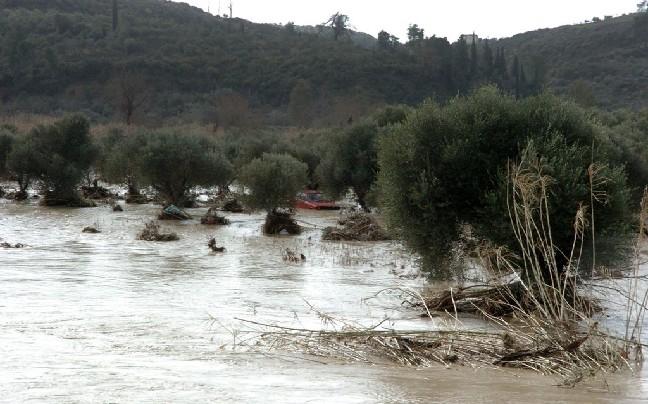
349 158
446 167
118 162
6 143
273 181
58 156
174 163
20 165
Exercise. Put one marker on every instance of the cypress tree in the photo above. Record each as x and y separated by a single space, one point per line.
487 61
516 75
473 60
115 15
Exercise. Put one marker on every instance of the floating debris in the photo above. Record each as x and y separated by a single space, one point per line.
213 247
91 230
291 256
8 245
213 218
172 212
233 206
152 232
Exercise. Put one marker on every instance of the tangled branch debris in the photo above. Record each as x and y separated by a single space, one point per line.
91 230
151 232
291 256
8 245
233 206
212 246
356 227
213 218
281 222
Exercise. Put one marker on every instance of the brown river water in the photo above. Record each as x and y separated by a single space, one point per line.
87 318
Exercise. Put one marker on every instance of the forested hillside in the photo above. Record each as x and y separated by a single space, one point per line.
607 57
149 60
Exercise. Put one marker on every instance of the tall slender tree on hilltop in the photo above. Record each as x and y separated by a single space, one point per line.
115 15
487 61
474 62
339 23
415 34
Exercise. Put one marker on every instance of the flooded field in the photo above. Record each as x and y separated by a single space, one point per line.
105 318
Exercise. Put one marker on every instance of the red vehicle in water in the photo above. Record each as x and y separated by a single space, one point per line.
314 200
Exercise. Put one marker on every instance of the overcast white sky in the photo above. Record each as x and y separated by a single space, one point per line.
445 18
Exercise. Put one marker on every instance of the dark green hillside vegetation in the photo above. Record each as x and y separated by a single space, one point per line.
448 166
609 56
169 61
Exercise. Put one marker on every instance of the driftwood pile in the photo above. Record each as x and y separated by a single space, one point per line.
356 227
233 206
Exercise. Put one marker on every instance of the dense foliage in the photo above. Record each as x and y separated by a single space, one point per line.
349 158
58 156
273 181
169 60
174 163
446 166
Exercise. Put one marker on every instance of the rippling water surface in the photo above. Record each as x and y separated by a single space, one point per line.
105 318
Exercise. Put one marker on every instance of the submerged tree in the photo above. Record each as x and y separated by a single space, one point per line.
20 165
174 163
119 156
59 156
6 143
273 182
349 158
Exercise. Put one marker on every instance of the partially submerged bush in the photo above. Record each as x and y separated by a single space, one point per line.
273 182
281 222
152 232
213 218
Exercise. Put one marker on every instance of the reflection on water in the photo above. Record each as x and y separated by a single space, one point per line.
102 317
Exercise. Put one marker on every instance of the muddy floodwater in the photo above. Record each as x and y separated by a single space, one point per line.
87 318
